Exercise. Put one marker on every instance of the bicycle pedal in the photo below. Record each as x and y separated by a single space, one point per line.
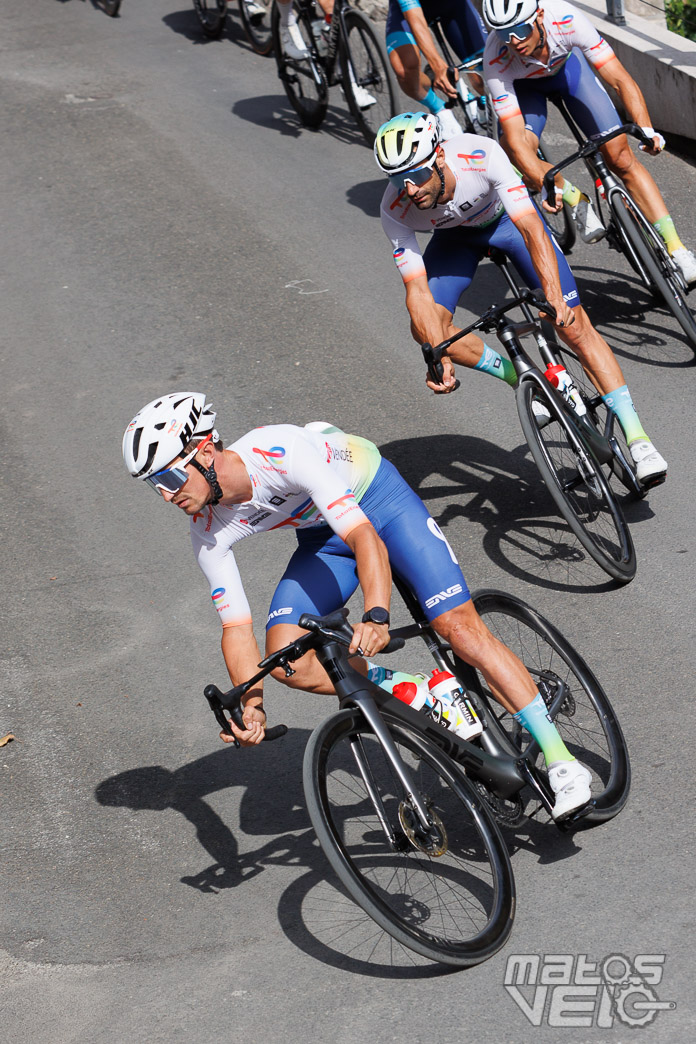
653 482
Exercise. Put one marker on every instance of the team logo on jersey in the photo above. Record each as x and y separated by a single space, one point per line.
565 25
274 453
474 159
218 597
398 252
500 56
343 501
501 98
518 192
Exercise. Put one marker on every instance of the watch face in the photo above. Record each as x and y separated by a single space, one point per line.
377 615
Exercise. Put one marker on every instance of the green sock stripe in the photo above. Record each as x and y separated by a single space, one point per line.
620 403
494 363
535 718
665 227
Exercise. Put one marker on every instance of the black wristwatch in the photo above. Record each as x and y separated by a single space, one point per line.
378 615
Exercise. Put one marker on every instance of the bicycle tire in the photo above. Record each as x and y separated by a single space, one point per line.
586 719
257 30
561 223
599 413
372 71
111 7
578 485
305 82
662 276
211 15
455 907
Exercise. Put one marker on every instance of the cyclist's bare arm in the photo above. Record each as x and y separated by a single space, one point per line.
615 75
543 258
432 322
242 656
374 574
423 37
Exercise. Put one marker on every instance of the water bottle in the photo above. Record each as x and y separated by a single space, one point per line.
561 379
453 706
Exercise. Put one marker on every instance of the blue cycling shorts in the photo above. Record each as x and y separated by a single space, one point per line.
452 256
322 575
461 23
582 91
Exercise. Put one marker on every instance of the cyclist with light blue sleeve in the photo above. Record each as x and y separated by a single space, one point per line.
353 515
408 36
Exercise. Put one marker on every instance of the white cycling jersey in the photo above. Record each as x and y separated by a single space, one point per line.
300 477
486 184
565 27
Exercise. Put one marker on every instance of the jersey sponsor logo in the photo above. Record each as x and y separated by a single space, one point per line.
501 98
254 520
398 252
518 192
218 597
285 611
474 159
565 25
500 56
274 453
277 501
343 501
442 596
571 296
335 453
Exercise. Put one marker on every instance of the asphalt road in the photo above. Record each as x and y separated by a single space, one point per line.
166 224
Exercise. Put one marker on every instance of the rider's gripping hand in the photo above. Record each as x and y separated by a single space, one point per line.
658 142
448 378
255 721
565 316
370 637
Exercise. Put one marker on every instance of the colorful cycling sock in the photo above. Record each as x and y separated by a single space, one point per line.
571 194
493 363
665 226
620 403
535 719
432 103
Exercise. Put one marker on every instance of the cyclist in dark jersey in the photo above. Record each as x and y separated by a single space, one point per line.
408 36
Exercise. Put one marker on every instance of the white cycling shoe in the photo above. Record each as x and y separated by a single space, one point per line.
292 43
686 263
651 466
541 414
363 98
588 224
570 782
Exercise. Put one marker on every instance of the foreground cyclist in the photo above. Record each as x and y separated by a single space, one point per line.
467 191
353 514
536 50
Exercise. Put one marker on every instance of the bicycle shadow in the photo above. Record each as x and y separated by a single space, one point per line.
276 112
632 321
469 478
185 23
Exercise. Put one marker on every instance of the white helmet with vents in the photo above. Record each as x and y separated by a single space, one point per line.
161 431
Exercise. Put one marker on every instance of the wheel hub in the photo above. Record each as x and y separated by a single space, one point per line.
432 842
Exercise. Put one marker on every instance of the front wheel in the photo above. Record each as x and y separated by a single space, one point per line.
577 484
447 893
585 718
304 79
211 15
255 17
368 81
649 257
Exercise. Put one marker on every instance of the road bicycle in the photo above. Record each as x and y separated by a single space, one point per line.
348 52
627 228
256 22
408 813
576 452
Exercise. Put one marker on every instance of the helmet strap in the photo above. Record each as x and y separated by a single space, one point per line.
211 478
442 186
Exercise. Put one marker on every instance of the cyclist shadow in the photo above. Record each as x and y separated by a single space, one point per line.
280 815
276 112
630 322
501 491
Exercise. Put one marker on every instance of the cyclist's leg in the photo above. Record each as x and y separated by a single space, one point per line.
422 557
405 59
466 34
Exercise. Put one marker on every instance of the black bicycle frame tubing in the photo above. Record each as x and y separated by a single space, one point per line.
360 758
498 771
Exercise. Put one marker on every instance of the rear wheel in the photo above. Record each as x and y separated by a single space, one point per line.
255 16
365 66
304 80
584 717
649 257
577 484
446 892
211 15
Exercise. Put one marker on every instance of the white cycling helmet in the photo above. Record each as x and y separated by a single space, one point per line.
406 141
501 14
162 430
